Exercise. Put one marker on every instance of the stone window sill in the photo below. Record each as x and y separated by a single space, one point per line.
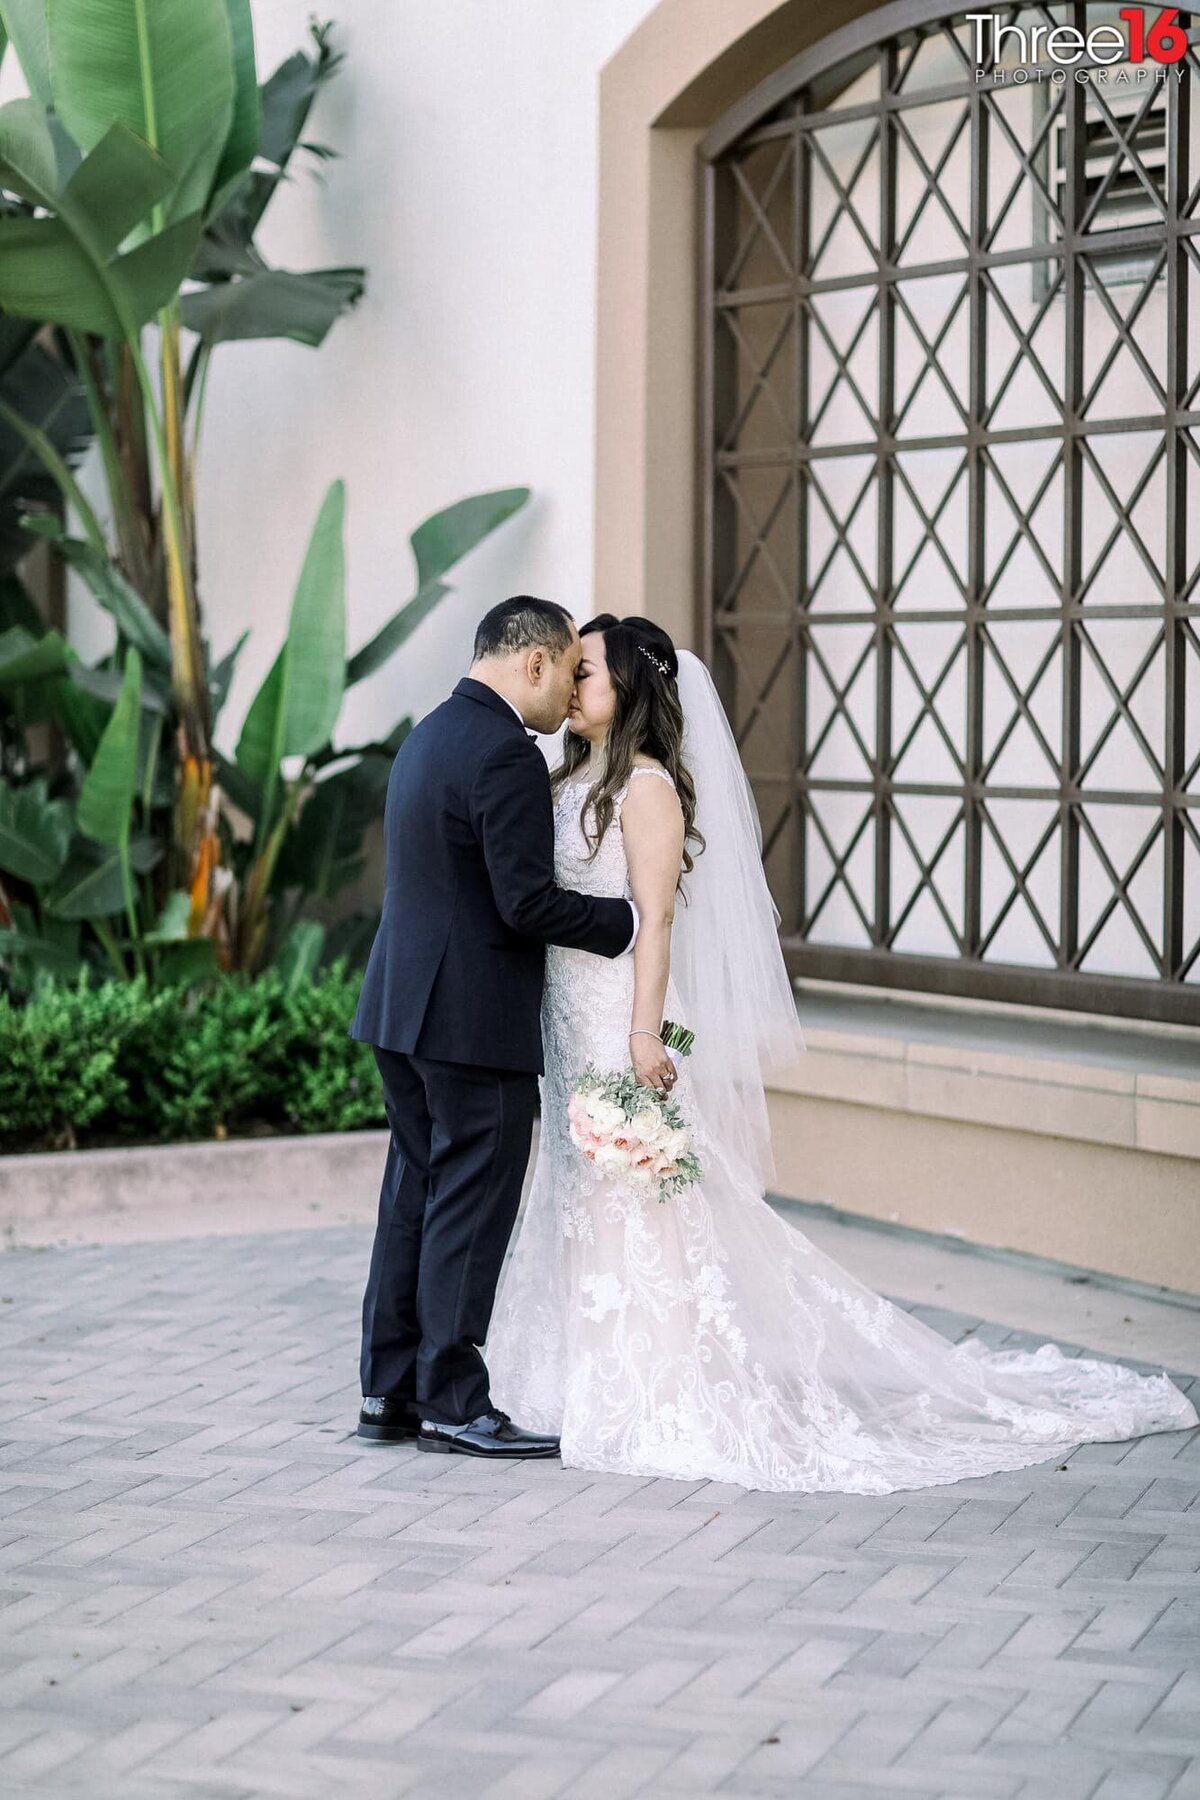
1104 1081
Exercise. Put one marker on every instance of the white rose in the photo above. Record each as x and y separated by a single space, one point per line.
648 1124
675 1144
611 1160
608 1116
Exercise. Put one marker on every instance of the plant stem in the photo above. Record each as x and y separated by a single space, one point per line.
135 930
104 932
118 490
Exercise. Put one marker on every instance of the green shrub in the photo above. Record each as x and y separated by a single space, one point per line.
121 1063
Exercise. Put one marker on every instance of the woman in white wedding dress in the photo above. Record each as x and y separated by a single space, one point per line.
703 1336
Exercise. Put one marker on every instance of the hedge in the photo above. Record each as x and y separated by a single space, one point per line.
120 1063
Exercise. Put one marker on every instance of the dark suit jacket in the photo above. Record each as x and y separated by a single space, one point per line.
456 969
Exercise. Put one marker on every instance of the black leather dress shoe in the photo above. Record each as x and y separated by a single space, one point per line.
387 1421
491 1434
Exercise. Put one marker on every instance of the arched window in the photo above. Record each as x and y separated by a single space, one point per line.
952 514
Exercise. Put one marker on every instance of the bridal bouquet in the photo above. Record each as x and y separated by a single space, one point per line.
622 1130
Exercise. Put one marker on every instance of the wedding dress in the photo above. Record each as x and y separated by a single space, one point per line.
705 1337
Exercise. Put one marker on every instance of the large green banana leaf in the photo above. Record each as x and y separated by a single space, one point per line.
221 674
106 799
296 707
24 657
35 832
106 684
133 617
41 950
165 69
245 130
80 716
438 544
60 267
300 954
25 22
92 885
273 303
324 849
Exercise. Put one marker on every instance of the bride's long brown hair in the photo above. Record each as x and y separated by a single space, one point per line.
647 718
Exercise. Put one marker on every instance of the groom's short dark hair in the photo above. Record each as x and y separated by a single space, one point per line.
521 622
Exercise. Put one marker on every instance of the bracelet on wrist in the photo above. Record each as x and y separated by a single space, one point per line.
641 1033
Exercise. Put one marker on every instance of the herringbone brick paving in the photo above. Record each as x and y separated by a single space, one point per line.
210 1587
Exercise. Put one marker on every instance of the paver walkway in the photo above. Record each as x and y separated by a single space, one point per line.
209 1587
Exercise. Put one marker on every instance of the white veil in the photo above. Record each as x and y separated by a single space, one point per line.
725 955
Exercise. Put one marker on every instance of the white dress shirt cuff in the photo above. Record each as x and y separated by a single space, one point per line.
637 920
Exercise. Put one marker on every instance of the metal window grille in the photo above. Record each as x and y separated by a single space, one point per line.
951 521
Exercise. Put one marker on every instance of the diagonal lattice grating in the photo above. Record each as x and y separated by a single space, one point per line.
952 538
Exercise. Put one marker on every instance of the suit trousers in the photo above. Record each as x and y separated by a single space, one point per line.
460 1139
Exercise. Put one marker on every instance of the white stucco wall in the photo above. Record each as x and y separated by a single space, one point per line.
467 187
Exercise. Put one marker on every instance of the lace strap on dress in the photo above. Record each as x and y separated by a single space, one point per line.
646 769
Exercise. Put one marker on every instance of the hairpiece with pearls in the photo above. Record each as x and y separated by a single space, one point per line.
663 668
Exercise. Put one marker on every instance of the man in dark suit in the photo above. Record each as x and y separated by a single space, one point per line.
451 1003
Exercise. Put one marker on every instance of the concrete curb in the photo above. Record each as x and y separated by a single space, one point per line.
326 1168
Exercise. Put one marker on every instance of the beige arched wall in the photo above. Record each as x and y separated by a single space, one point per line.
675 76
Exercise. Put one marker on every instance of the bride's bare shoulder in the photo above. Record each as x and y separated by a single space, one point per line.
652 805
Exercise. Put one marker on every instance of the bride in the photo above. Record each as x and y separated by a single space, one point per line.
703 1336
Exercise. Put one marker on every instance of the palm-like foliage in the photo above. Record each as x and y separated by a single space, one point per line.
133 180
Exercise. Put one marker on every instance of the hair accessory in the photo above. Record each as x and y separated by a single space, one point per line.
662 667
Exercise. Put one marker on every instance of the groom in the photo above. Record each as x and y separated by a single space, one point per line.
451 1003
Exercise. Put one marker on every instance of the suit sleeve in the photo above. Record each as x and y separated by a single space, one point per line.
512 814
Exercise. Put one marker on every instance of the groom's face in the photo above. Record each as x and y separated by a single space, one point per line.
552 685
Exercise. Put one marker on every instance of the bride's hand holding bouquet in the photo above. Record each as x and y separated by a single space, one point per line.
622 1131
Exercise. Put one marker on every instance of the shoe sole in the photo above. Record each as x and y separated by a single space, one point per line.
386 1434
440 1449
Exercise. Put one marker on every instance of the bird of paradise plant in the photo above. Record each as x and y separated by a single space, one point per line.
132 181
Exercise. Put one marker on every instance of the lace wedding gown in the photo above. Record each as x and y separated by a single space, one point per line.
705 1337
